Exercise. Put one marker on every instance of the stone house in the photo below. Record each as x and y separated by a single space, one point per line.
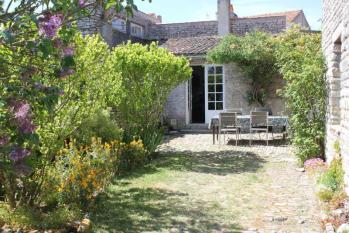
335 29
213 87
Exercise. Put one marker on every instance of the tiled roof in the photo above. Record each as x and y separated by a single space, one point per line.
192 45
290 15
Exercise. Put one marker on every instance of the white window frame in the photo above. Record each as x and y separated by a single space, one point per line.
138 32
119 24
211 113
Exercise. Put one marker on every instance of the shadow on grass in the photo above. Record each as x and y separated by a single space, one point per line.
154 210
277 142
130 209
217 163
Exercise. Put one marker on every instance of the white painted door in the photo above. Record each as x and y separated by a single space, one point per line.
214 91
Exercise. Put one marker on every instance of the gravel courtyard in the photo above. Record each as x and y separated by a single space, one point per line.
194 186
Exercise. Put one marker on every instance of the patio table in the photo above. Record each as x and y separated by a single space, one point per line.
244 122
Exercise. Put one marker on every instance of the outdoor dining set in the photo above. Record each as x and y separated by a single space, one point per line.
259 121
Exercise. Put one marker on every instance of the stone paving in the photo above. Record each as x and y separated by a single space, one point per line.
280 197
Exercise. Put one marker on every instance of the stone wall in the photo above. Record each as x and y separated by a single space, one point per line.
235 89
191 29
272 24
237 86
92 24
176 107
335 27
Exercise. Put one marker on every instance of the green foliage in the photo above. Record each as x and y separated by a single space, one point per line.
300 61
81 173
41 101
131 156
297 56
332 181
29 218
100 125
148 75
254 53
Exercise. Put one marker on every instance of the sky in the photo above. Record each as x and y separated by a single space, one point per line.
175 11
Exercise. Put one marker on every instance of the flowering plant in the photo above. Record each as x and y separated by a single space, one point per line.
37 66
314 164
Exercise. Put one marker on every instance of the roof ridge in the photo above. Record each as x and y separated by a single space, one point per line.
281 13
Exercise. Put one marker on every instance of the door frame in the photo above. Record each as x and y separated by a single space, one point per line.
210 113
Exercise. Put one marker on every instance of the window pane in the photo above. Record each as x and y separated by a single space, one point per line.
219 88
211 88
219 106
211 97
211 79
211 70
219 97
219 79
219 70
211 106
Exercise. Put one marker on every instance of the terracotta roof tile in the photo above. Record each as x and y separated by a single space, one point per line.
191 45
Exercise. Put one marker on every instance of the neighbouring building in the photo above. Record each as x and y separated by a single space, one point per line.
335 29
213 87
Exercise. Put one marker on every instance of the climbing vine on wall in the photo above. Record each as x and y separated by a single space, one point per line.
296 55
254 53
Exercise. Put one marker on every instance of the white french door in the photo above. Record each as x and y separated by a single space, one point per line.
214 91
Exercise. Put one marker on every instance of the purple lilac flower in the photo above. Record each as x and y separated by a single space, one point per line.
18 154
27 126
69 51
4 140
81 3
21 111
50 24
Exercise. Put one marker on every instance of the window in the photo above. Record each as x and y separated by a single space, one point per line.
136 30
215 87
119 24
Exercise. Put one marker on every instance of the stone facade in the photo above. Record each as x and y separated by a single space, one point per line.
335 44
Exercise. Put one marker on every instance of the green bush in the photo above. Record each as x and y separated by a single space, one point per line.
99 125
148 75
331 181
300 61
131 156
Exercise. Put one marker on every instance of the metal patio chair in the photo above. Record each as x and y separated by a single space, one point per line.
238 111
227 123
259 123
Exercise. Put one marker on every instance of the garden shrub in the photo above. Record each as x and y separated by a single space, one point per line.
81 173
131 156
300 61
100 125
148 75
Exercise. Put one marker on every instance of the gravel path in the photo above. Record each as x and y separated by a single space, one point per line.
278 198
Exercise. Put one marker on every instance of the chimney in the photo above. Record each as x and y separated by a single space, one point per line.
223 17
159 18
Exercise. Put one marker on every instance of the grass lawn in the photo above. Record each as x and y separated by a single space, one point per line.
203 191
